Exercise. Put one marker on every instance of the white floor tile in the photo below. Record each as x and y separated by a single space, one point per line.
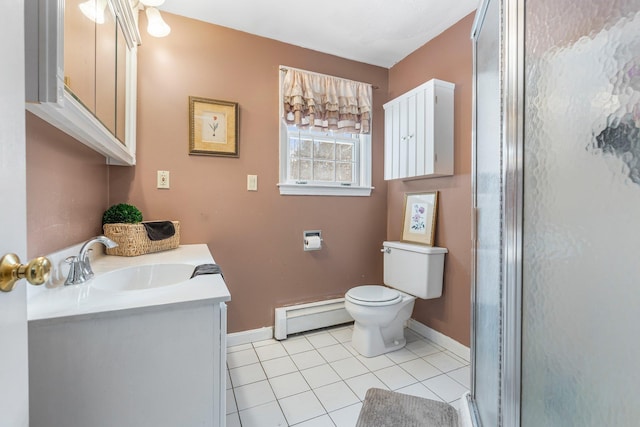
376 363
420 369
412 336
308 359
321 339
267 415
446 387
241 358
301 407
443 361
348 368
262 343
462 375
419 390
395 377
346 417
271 351
231 402
320 375
401 356
247 374
229 385
342 334
335 396
423 348
456 404
288 385
240 347
334 352
296 345
322 421
458 358
350 348
233 420
279 366
250 395
362 383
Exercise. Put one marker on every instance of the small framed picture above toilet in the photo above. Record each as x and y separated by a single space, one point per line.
419 218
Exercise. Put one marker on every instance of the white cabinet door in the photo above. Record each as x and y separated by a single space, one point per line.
419 132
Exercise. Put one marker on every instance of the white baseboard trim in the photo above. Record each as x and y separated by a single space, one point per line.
246 337
439 338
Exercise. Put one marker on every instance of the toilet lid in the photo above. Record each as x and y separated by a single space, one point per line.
374 293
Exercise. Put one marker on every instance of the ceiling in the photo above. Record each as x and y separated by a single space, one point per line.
377 32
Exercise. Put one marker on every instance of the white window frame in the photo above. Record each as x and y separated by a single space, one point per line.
291 187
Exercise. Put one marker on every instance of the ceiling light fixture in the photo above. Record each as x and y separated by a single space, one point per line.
94 10
156 26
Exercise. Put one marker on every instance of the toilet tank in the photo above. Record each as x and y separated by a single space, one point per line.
414 269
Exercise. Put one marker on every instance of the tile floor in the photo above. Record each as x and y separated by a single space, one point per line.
317 379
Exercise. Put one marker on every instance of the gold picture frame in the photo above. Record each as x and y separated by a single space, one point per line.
419 219
213 127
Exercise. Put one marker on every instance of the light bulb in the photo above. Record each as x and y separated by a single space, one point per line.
94 10
152 3
156 26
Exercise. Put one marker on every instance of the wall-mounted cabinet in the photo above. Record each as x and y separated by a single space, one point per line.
418 134
81 71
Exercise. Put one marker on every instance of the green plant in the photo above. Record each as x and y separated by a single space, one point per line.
122 213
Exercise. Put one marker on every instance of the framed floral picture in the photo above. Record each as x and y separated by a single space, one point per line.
213 127
419 219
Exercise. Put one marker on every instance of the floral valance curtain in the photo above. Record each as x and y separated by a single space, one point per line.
326 102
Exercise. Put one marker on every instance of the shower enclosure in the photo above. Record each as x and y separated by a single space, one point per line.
556 301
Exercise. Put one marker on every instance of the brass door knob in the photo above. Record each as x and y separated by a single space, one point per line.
36 271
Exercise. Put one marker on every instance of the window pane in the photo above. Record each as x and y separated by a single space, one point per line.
306 170
344 152
323 171
294 168
305 148
294 144
324 150
345 172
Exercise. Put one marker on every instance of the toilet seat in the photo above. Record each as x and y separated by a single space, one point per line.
373 295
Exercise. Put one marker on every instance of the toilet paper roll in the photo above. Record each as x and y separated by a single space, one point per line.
312 242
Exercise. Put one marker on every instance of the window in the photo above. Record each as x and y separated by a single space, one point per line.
321 160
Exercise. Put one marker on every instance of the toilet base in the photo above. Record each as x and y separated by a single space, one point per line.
371 340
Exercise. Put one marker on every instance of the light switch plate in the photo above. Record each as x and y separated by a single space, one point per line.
163 179
252 182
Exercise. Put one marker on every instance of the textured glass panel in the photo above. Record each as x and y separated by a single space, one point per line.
323 171
306 169
487 312
294 169
306 148
344 152
324 150
345 172
581 290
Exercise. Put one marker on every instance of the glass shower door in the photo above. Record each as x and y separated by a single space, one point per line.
581 241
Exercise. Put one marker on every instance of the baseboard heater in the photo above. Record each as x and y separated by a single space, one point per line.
306 317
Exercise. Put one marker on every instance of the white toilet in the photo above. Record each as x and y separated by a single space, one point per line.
379 312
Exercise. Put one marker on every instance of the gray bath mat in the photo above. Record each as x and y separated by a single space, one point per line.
384 408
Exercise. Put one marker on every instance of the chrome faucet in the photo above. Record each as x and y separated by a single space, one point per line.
79 266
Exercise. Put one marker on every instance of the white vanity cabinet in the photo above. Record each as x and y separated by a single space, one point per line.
418 138
151 357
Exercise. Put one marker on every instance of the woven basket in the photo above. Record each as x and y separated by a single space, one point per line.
132 239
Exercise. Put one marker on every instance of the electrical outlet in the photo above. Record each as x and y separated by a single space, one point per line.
252 182
163 179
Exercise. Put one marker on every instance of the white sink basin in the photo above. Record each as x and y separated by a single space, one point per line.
142 277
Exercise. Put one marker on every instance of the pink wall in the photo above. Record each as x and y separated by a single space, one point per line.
447 57
67 189
255 236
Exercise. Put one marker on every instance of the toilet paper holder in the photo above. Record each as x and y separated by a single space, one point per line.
312 240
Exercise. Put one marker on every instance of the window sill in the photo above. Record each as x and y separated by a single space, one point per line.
322 190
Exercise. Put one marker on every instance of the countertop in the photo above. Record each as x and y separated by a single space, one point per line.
54 300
